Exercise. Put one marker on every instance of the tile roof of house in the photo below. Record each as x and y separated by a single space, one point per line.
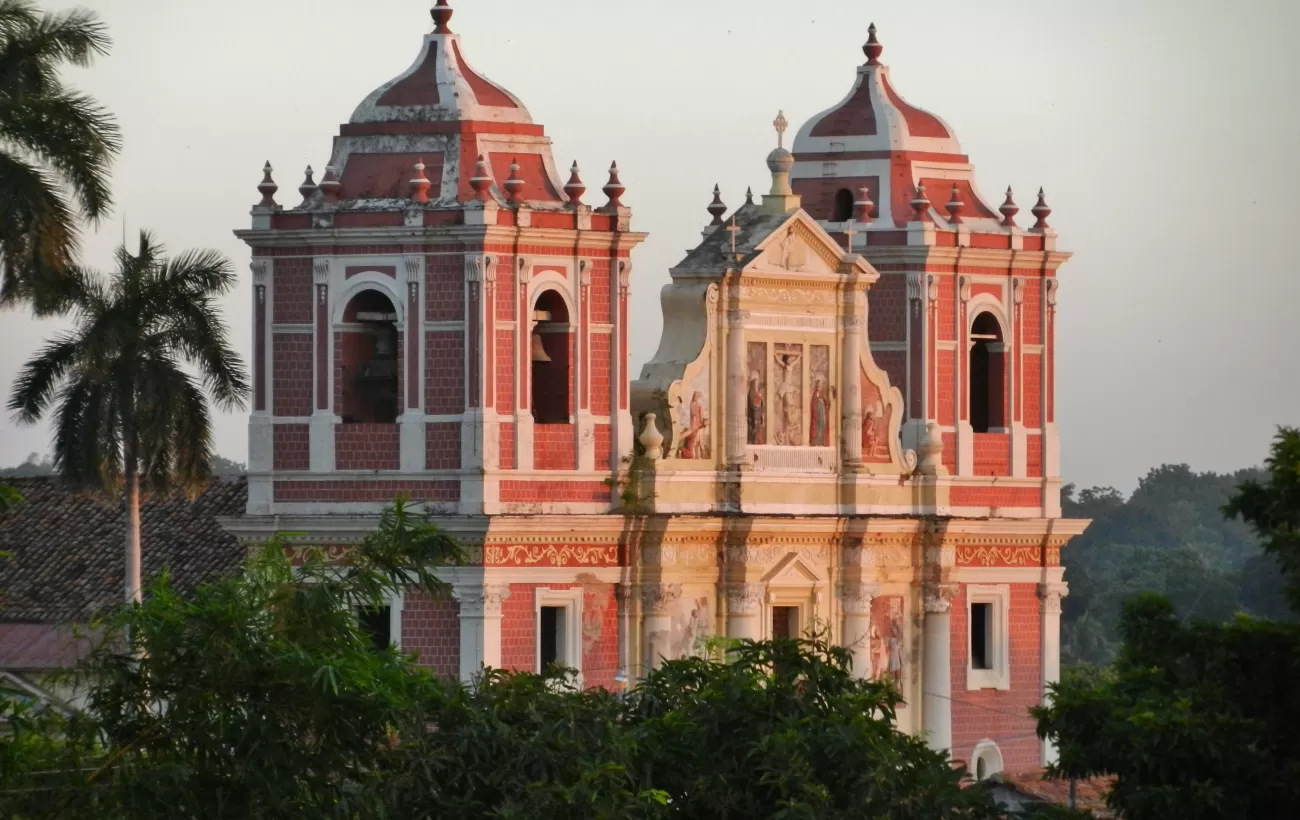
1089 794
67 548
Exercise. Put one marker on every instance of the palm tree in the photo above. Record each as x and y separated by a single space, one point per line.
56 147
128 409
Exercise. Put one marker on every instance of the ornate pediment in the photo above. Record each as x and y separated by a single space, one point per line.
793 571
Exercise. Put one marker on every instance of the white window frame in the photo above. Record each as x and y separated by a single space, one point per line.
989 752
570 600
394 603
998 676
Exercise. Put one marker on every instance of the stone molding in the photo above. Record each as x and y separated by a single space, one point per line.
744 599
856 598
938 598
481 602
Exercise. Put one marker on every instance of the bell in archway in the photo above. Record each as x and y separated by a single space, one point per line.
539 352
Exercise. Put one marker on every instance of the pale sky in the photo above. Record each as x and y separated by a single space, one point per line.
1166 133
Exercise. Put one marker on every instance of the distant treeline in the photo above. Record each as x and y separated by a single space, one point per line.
37 465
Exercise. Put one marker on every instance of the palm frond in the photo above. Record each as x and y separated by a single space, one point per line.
39 380
38 231
33 47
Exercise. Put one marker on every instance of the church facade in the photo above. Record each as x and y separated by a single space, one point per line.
848 426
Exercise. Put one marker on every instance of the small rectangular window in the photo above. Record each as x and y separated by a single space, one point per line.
551 626
377 622
785 622
981 635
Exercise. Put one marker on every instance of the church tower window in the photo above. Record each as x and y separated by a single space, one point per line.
368 359
550 360
987 374
843 206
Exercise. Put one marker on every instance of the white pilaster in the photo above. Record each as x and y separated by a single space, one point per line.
936 671
1049 597
321 428
624 433
480 627
744 611
737 380
657 600
855 601
851 386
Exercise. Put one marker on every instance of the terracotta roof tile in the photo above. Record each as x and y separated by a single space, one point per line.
1089 794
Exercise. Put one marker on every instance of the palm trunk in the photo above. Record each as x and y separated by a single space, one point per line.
132 527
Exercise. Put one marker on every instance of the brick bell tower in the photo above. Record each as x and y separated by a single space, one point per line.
441 316
964 310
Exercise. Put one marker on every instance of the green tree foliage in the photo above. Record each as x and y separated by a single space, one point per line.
56 147
34 466
129 386
261 697
1198 719
1169 537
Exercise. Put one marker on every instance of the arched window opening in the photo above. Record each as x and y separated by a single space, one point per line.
368 360
987 374
843 206
550 356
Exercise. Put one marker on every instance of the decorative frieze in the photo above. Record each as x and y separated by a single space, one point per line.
566 555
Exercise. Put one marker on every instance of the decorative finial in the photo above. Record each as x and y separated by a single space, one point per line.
441 14
921 205
873 48
614 189
955 207
308 187
1009 209
482 180
780 124
1040 212
267 187
420 183
716 208
514 185
862 208
330 185
749 195
574 187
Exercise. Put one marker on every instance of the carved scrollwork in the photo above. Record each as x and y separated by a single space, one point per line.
964 284
624 276
479 602
525 270
320 268
856 598
938 598
657 598
744 599
1050 288
261 271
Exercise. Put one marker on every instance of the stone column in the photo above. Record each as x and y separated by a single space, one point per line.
737 381
411 423
586 432
744 610
1049 597
321 431
523 367
624 433
936 671
261 431
480 627
657 601
851 386
855 600
623 599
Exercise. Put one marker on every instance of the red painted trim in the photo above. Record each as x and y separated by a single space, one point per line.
322 348
383 129
840 156
259 347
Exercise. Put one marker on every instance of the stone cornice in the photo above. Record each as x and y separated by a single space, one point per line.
920 256
561 238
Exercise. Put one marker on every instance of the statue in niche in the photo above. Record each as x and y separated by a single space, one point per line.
819 404
756 396
870 433
885 638
690 631
694 443
789 394
895 639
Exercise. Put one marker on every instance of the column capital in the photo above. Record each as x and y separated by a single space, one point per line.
1050 595
856 597
657 598
938 598
744 599
320 269
261 268
481 601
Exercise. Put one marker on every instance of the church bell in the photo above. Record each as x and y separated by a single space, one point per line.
539 352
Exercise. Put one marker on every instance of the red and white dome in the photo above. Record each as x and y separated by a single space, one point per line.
874 139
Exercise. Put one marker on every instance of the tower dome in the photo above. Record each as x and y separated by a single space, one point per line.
874 139
444 114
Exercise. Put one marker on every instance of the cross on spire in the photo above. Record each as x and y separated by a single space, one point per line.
780 124
851 232
733 229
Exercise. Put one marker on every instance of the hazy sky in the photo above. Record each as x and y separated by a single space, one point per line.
1166 132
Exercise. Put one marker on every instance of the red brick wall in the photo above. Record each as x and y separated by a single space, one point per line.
999 715
442 446
444 382
947 313
504 369
1034 456
366 447
519 629
431 630
291 374
506 448
554 491
1032 313
947 405
894 363
887 318
291 291
602 367
599 631
603 446
444 284
600 298
368 491
554 447
963 496
992 453
292 446
949 454
1031 380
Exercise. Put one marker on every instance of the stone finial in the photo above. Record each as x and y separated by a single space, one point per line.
780 124
574 189
481 182
873 49
514 185
267 187
921 205
716 208
614 189
308 188
931 450
651 439
863 206
1040 212
955 206
441 14
330 186
420 183
1008 209
749 196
